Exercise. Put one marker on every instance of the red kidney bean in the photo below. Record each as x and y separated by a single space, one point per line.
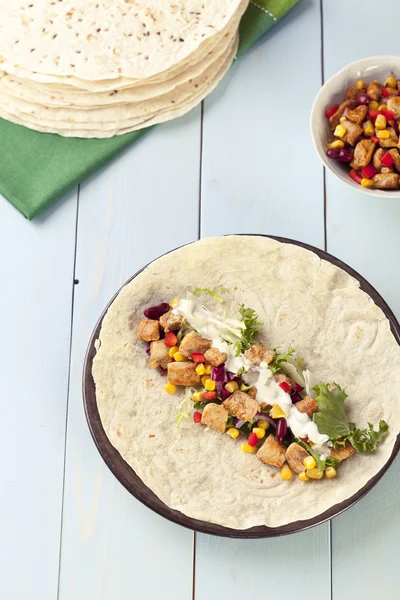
155 312
281 430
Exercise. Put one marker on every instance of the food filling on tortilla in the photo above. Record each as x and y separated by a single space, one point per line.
237 385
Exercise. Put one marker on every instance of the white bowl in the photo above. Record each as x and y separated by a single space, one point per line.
334 92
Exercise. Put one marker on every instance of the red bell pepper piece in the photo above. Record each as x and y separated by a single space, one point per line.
285 386
373 114
198 357
389 114
209 395
385 93
369 171
252 440
375 139
171 339
387 160
330 111
356 176
197 417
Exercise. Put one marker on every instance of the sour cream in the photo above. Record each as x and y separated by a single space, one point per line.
218 329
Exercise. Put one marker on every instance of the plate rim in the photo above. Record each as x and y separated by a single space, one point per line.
137 488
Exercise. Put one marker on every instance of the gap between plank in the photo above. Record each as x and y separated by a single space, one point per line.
68 389
321 12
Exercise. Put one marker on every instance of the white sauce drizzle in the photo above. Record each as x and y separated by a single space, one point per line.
217 328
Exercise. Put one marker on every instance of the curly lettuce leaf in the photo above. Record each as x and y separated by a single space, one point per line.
332 421
214 294
184 408
276 364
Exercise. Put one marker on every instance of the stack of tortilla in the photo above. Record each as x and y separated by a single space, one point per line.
100 68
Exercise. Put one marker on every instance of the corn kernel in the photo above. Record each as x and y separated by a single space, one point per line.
276 412
173 351
286 473
383 134
264 405
247 448
263 423
233 432
360 85
179 357
367 183
303 476
382 107
200 369
309 462
340 131
170 388
343 119
197 396
330 472
368 128
260 432
380 122
373 105
204 379
337 144
207 369
209 385
314 474
174 302
232 386
391 82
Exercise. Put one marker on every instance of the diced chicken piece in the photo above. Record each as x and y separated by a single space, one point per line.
391 141
352 94
386 181
357 115
272 453
259 353
159 356
169 321
214 357
392 91
334 120
193 342
252 392
353 132
377 158
362 154
183 373
393 104
308 405
148 330
295 456
342 452
374 90
241 405
398 84
215 416
396 157
281 378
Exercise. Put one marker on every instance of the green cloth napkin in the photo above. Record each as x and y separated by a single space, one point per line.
36 169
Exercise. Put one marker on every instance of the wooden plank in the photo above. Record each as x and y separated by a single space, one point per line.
256 178
258 154
36 270
364 232
141 206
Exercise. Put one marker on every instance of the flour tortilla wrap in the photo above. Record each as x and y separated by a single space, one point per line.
108 39
302 300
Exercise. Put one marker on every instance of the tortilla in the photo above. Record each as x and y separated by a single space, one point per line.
302 300
105 130
107 39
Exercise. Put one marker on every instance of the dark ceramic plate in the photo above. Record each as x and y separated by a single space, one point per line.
127 476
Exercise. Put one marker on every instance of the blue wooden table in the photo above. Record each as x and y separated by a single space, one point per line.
242 162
